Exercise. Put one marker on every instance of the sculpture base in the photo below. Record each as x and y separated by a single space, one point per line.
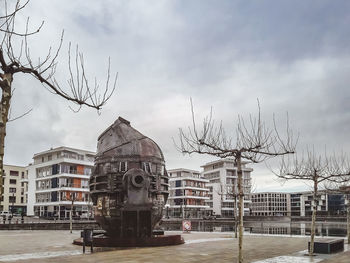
105 241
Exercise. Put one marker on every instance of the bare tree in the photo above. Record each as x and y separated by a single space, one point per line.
316 169
253 142
15 57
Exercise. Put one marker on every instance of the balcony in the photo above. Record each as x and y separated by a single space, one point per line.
68 187
71 175
73 186
189 197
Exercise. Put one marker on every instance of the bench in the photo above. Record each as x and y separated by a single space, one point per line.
327 245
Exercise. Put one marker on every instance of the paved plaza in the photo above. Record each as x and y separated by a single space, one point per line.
56 246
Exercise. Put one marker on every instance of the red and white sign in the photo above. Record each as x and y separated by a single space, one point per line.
186 225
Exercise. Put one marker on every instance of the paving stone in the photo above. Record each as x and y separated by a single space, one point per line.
56 246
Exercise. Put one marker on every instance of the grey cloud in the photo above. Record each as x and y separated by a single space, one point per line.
292 55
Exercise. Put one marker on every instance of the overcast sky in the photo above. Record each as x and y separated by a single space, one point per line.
291 55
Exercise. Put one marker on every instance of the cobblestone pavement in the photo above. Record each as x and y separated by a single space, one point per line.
56 246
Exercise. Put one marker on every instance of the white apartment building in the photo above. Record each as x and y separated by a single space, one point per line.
222 176
270 204
15 186
187 194
57 177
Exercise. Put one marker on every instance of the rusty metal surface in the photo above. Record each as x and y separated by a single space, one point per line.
129 184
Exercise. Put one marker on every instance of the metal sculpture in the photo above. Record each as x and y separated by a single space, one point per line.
129 184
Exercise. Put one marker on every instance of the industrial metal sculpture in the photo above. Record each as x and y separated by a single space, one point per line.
129 184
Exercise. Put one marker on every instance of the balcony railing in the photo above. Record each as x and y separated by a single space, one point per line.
74 185
68 185
73 172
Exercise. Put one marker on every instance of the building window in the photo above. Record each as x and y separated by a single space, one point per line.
22 200
219 165
42 159
13 181
12 199
178 192
14 173
22 175
147 167
123 166
87 170
178 183
49 157
12 190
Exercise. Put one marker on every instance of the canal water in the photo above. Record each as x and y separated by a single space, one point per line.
272 228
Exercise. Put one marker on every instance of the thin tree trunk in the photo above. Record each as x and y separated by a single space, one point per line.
240 211
4 111
71 218
348 221
235 199
313 222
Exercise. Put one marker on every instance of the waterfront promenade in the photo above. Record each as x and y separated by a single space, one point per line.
56 246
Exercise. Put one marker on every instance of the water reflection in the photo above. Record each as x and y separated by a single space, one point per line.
322 229
269 228
302 230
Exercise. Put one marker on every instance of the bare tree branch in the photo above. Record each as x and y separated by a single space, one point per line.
252 141
20 116
16 57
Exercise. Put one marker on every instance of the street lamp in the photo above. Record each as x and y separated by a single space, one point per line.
13 203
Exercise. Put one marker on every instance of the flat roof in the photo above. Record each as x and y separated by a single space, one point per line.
182 170
225 160
61 148
14 166
270 193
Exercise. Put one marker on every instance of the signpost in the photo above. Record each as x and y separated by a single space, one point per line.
186 226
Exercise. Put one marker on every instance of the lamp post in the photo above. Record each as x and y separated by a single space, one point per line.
181 211
88 207
13 203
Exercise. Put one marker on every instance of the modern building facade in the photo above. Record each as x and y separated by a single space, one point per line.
57 179
188 194
295 204
328 204
223 193
15 186
270 204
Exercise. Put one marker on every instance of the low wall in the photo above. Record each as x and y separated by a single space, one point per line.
319 218
199 224
50 226
267 218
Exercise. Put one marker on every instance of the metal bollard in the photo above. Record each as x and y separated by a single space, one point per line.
88 237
